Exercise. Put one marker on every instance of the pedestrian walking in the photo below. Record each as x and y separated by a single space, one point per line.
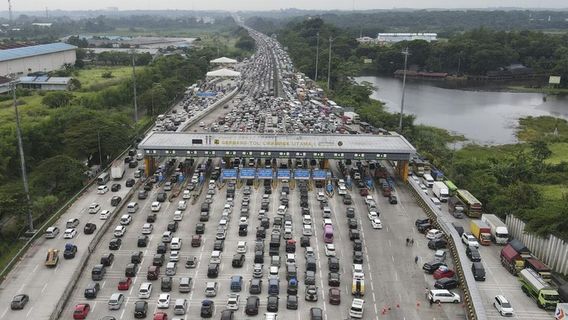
412 242
426 292
431 302
416 260
407 241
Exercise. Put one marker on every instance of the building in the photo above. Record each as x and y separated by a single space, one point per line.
366 40
45 83
388 38
39 58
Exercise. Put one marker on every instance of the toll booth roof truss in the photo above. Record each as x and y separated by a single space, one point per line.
338 146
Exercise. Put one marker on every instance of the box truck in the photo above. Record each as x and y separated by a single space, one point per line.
481 231
499 231
441 191
117 170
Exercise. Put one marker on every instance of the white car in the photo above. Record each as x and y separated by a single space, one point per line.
119 231
242 247
174 256
94 208
175 243
321 196
327 221
376 223
372 215
442 295
307 230
243 221
147 228
424 188
503 306
469 240
274 270
282 210
329 250
307 219
358 273
104 214
186 194
233 302
434 234
182 205
156 206
369 199
342 190
70 233
125 219
164 301
102 189
178 215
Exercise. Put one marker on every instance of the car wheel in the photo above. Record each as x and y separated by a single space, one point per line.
437 301
456 301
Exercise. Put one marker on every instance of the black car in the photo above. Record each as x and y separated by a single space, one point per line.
148 186
207 308
115 187
292 302
200 228
142 194
218 245
89 228
421 221
140 309
350 212
133 164
161 197
446 283
272 304
238 260
115 244
251 307
473 254
70 251
151 217
19 302
393 199
107 259
115 200
260 232
130 182
161 247
352 223
143 241
136 257
437 244
432 266
354 234
333 279
267 190
172 226
358 257
166 284
357 245
304 241
227 315
131 270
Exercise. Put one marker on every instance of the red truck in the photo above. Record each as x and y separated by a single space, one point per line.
512 260
542 269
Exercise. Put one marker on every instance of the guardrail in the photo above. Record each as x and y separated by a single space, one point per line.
472 298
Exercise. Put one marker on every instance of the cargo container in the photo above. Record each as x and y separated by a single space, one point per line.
499 231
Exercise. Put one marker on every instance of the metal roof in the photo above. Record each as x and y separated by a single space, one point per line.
17 53
309 143
44 80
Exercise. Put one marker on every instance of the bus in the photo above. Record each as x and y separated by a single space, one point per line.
103 178
452 189
473 206
328 233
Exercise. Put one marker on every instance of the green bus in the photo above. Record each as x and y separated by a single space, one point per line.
452 189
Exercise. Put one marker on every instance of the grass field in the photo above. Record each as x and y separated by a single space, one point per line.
91 79
552 192
559 153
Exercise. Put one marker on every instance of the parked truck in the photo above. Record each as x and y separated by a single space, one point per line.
456 207
539 267
117 170
512 260
441 191
535 287
481 231
499 232
472 206
561 311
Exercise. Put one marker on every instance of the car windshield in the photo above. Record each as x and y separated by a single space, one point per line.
506 305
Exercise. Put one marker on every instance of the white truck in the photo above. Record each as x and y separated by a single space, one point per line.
441 191
499 232
117 170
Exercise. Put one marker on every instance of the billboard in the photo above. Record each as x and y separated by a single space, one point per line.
229 174
554 80
264 173
283 174
319 175
301 174
247 173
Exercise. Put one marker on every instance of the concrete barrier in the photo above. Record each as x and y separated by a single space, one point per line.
212 107
472 298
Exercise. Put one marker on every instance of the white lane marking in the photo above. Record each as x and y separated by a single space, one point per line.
122 313
104 282
44 287
94 306
392 258
22 287
28 314
35 268
4 313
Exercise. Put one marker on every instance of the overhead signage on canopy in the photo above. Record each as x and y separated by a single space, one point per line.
319 175
301 174
247 173
229 174
283 174
206 94
265 173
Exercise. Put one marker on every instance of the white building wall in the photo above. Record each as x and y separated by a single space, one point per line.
45 63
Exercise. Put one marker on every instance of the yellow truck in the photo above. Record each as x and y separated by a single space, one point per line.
52 258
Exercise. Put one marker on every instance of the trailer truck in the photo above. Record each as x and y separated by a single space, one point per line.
539 267
481 231
117 170
441 191
499 232
512 260
535 287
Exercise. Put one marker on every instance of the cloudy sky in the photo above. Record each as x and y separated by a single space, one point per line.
29 5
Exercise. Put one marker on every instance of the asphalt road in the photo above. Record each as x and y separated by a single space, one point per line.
46 285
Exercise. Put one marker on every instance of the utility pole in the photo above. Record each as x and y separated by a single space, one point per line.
134 87
100 151
405 53
317 56
10 10
31 229
329 63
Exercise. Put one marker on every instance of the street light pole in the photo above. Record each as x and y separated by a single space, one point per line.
329 63
100 151
134 88
405 53
31 229
317 56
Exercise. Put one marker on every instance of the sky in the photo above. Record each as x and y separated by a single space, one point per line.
233 5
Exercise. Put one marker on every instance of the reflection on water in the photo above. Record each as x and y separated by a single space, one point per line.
481 116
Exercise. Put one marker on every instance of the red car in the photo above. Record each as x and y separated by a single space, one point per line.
334 296
443 272
160 316
81 311
124 284
196 240
364 192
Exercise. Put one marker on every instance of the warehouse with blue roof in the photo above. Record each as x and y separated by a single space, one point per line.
40 58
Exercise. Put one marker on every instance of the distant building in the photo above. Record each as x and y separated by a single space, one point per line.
387 38
39 58
45 83
366 40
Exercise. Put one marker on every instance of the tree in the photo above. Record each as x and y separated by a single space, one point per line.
57 99
58 175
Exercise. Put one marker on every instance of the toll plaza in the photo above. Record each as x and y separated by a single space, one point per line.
392 147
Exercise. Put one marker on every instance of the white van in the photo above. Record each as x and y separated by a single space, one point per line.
180 307
51 232
178 215
156 206
115 301
182 205
145 290
132 207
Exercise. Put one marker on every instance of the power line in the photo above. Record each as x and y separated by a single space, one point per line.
406 54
